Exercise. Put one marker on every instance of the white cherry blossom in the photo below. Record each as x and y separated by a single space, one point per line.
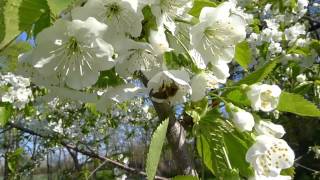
269 128
200 83
166 10
121 16
217 33
242 119
301 78
117 94
158 40
269 155
279 177
264 97
170 86
72 53
137 56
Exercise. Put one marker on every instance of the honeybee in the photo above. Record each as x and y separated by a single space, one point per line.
165 91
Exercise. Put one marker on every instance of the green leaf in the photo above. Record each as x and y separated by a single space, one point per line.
34 12
109 78
5 113
198 5
155 149
210 143
11 54
237 145
260 74
238 97
243 54
57 6
315 44
149 22
185 178
9 21
297 104
288 172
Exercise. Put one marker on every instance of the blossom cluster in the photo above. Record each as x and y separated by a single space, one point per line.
135 38
15 90
269 154
281 31
106 34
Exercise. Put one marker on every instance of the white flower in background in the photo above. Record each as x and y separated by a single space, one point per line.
269 155
217 33
301 78
264 97
279 177
170 86
220 69
57 127
200 83
302 7
73 52
275 48
301 42
117 94
15 89
242 119
292 33
137 56
121 16
271 35
158 40
167 10
269 128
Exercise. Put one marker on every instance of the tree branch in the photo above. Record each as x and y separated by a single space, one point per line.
84 152
176 136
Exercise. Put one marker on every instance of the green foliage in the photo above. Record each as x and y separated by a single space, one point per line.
260 74
5 113
238 97
11 54
296 104
149 22
243 54
185 178
197 109
9 27
315 44
108 78
155 149
288 172
210 144
27 15
57 6
176 61
198 5
222 148
237 145
14 159
34 12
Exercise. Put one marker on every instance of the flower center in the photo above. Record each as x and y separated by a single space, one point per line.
266 96
112 9
73 47
210 32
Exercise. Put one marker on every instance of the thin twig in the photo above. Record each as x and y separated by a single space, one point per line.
84 152
307 168
96 169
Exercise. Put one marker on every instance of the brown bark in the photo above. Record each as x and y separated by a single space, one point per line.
176 136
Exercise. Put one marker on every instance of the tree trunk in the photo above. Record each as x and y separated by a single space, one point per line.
7 146
176 136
